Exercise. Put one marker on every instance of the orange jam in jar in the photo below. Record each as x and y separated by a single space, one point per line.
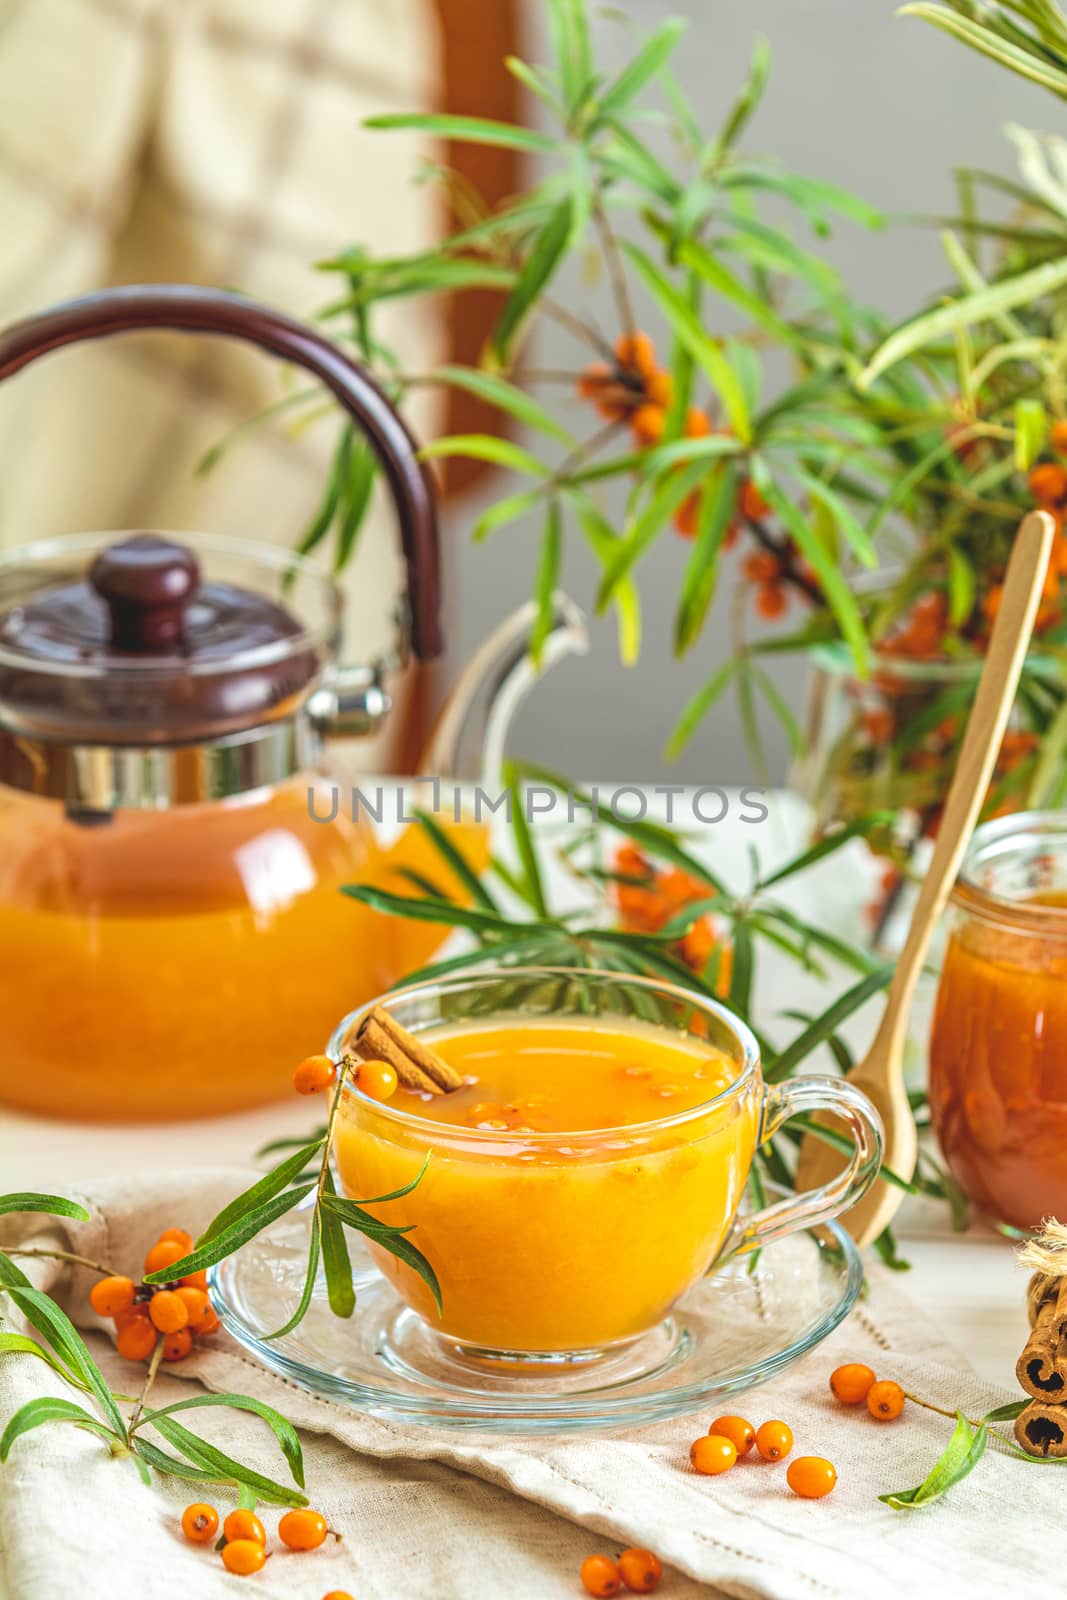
998 1046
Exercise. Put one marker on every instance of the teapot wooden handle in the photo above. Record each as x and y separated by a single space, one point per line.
187 309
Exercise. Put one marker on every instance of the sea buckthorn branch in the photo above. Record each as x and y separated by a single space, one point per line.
67 1353
283 1188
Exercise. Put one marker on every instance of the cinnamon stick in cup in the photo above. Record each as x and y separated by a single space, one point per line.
380 1037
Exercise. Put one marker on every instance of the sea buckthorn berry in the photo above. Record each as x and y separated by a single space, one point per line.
741 1434
687 516
163 1255
753 505
1048 483
593 379
637 351
762 566
136 1340
774 1440
180 1236
243 1556
648 423
811 1477
195 1280
302 1530
659 388
697 423
850 1383
337 1594
771 600
1058 437
196 1303
314 1075
200 1523
112 1296
138 1312
376 1079
885 1400
208 1324
640 1571
168 1312
244 1525
600 1576
176 1346
712 1454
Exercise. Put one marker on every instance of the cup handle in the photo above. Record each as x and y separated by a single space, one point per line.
800 1097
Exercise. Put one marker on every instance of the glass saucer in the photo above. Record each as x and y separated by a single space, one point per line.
736 1328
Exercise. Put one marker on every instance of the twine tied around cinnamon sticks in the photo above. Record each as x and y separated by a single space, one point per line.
1041 1429
379 1037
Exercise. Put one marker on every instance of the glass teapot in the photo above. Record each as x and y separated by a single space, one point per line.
172 840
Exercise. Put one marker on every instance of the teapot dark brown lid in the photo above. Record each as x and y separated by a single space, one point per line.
151 641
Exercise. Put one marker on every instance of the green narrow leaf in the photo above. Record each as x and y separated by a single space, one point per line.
852 531
1031 428
272 1183
54 1204
322 521
698 708
456 861
741 969
830 1021
664 501
490 386
335 1259
282 1428
466 130
524 845
701 345
547 252
210 1459
230 1239
549 567
43 1313
356 497
391 1239
1024 289
970 32
49 1408
649 61
718 499
603 541
504 511
838 594
569 29
828 845
172 1466
719 278
447 912
746 103
21 1343
962 587
310 1276
484 447
960 1456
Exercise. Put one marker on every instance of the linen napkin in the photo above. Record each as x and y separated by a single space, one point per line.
438 1513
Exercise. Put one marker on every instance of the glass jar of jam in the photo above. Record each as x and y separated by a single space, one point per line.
998 1046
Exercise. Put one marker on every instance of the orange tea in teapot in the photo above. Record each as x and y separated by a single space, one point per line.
175 964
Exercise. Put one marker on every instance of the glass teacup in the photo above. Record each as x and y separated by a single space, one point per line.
560 1246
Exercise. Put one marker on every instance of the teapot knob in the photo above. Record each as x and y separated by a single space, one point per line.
146 583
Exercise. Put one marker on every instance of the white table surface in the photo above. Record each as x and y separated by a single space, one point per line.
968 1283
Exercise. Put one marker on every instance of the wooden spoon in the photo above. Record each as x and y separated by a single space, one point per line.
881 1073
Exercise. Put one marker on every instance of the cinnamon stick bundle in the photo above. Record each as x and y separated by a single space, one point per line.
1041 1429
381 1038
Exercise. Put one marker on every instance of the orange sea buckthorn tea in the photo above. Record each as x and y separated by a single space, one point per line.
998 1045
588 1169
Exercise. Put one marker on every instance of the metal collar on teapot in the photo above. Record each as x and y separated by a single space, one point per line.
134 671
